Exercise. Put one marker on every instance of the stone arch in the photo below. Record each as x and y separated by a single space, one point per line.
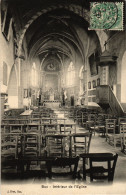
13 89
123 79
72 8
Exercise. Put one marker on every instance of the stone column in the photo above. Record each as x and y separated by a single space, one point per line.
2 104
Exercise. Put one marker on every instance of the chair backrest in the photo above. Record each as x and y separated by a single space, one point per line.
67 130
123 128
100 119
55 145
92 117
78 113
45 121
9 146
121 120
35 120
82 140
104 171
84 116
110 126
33 128
35 115
123 133
30 145
50 130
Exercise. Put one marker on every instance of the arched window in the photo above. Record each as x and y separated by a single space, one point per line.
4 73
71 74
34 75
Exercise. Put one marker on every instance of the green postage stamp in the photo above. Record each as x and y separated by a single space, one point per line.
106 15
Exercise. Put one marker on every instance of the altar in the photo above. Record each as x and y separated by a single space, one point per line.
52 103
51 98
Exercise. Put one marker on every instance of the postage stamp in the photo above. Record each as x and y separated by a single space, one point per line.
106 15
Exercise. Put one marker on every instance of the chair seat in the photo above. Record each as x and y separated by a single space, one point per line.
16 131
99 169
115 135
101 166
33 131
79 145
93 128
64 163
99 126
58 170
6 155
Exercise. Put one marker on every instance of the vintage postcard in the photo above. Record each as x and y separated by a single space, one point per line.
63 97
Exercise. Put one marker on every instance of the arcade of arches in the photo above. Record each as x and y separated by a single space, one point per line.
50 58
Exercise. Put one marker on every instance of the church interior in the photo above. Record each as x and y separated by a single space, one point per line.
63 94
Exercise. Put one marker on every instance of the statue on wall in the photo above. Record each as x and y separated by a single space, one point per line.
51 91
64 96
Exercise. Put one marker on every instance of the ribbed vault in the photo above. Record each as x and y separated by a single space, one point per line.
50 29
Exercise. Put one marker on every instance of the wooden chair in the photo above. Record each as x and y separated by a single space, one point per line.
123 137
71 113
67 126
102 166
31 145
9 154
100 124
84 119
121 120
9 146
49 127
63 163
91 122
67 130
13 128
50 130
81 143
45 114
111 135
35 115
35 120
33 128
45 120
55 145
78 116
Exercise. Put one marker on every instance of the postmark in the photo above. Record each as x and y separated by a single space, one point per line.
106 15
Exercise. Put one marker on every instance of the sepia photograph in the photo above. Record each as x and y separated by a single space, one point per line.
63 97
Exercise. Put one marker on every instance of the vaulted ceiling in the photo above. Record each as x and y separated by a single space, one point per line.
50 28
53 33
